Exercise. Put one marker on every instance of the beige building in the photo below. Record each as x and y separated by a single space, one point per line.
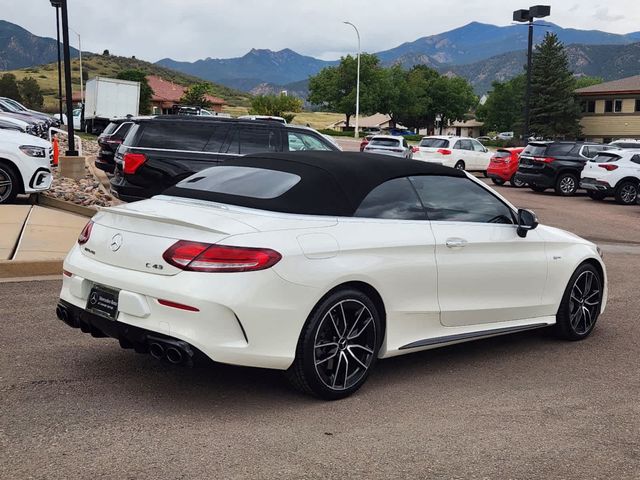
468 128
611 110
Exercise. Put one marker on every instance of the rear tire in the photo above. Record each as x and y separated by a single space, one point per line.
626 193
596 195
517 183
566 184
459 165
9 184
497 181
580 306
338 346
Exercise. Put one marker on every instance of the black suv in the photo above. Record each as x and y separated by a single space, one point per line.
158 153
555 165
109 141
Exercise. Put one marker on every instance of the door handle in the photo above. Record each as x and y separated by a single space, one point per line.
456 242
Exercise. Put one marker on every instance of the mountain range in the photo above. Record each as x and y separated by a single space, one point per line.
478 52
20 48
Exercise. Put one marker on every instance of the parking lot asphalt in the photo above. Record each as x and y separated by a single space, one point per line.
520 406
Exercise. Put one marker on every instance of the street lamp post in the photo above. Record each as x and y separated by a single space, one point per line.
356 135
57 7
80 58
524 16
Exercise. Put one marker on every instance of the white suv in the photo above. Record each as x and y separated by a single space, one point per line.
462 153
613 173
25 164
626 143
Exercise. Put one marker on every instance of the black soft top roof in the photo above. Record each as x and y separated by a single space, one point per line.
332 183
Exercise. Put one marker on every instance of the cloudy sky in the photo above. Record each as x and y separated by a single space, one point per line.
194 29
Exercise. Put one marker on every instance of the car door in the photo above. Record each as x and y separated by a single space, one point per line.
481 156
465 153
388 242
486 272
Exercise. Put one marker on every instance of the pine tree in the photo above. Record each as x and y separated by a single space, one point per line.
9 87
555 112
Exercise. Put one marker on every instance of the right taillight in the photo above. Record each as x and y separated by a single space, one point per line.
607 166
203 257
132 162
85 234
444 151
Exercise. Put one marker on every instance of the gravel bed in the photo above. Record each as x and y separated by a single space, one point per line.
87 191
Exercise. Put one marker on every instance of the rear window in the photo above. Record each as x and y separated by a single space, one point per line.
605 157
123 130
110 128
241 181
189 136
535 150
502 154
385 142
434 143
560 148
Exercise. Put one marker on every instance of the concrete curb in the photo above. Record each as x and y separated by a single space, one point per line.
66 206
29 268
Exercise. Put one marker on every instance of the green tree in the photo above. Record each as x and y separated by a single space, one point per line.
587 81
334 88
146 93
31 93
196 95
9 87
504 107
452 98
555 112
276 105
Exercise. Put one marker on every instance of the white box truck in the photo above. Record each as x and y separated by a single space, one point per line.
109 98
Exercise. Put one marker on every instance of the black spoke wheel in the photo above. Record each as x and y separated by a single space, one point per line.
8 184
338 346
581 304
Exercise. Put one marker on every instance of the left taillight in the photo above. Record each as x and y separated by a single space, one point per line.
203 257
85 233
132 162
607 166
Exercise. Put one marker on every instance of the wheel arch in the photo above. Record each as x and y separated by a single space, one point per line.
369 291
16 171
628 178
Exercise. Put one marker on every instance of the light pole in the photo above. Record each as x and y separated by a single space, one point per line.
356 134
72 152
56 5
523 16
81 76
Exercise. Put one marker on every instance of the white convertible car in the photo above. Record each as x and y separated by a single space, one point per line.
320 263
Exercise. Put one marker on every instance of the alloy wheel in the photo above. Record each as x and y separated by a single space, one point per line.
586 294
629 194
567 185
6 185
344 344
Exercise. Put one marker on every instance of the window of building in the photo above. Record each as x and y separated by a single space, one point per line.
608 106
591 106
617 106
637 109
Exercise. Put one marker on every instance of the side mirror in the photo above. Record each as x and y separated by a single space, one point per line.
527 220
485 149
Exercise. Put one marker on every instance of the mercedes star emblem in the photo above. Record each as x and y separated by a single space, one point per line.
94 298
116 242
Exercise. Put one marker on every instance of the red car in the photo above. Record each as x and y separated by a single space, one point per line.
504 165
365 141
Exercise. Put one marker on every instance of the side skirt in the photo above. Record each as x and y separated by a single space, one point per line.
471 335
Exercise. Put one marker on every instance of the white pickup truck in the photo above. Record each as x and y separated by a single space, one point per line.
25 164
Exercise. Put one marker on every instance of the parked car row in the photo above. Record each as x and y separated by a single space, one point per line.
17 117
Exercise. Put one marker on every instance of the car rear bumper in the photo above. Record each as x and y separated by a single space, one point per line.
250 319
105 165
593 185
125 191
500 173
535 179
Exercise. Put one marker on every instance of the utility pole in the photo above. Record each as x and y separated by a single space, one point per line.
72 152
59 63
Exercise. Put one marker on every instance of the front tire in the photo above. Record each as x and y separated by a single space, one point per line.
8 184
627 193
338 346
580 306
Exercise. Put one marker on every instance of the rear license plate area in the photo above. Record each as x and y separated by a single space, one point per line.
103 301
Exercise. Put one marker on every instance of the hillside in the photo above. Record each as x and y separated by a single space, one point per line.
610 62
109 66
20 48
